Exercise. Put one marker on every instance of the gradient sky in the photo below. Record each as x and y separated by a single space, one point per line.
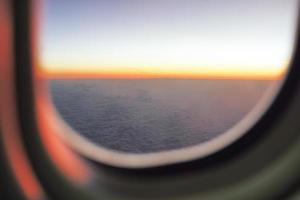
167 38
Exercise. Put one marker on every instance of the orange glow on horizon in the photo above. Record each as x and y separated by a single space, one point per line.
267 73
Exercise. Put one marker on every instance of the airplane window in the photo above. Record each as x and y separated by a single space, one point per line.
149 77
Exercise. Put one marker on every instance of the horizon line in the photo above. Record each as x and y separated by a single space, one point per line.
136 77
77 74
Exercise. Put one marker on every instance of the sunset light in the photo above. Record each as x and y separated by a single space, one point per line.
167 39
175 58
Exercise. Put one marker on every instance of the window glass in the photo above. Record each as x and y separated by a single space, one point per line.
140 76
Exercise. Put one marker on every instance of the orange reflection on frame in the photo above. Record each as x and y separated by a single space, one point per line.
10 133
49 126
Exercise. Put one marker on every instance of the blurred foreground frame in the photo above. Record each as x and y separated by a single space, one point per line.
271 163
